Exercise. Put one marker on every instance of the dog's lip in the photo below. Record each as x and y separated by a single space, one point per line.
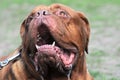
67 58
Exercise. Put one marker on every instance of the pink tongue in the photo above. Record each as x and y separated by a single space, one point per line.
67 59
54 50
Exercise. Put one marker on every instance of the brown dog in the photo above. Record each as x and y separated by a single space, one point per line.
54 41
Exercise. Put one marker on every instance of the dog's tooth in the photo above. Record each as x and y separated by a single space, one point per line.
39 38
37 46
38 35
53 44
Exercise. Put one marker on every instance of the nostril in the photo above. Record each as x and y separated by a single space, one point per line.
43 13
38 13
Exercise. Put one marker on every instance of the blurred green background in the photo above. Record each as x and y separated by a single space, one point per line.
103 15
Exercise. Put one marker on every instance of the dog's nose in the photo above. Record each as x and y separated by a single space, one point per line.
43 12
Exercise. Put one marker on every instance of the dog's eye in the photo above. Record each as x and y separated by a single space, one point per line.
29 19
62 13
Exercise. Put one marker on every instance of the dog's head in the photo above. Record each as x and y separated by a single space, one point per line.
55 36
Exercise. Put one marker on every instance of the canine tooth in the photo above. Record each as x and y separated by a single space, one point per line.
53 44
37 46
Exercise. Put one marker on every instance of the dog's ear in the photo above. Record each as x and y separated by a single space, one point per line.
86 29
22 28
25 25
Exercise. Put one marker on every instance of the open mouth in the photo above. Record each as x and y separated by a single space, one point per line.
46 44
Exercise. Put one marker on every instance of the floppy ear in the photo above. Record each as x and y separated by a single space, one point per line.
25 25
22 28
86 29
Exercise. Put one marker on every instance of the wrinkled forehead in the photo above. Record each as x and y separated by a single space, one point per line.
62 7
53 7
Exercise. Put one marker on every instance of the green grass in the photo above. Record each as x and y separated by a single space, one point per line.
100 76
102 14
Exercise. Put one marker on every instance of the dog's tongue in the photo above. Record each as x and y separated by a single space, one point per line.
56 51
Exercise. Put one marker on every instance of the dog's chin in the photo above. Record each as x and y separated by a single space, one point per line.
50 53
